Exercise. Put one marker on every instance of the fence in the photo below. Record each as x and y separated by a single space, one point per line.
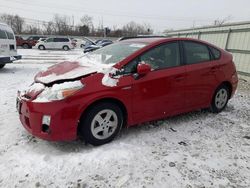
234 38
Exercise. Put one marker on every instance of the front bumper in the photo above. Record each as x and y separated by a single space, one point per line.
4 60
64 119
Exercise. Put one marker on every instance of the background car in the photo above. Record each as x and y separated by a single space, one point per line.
99 44
8 52
27 43
56 43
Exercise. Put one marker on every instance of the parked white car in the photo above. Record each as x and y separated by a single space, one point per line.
8 52
55 43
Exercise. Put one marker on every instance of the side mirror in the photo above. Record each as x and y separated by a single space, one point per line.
143 68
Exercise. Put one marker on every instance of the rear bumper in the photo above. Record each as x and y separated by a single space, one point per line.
63 127
234 82
4 60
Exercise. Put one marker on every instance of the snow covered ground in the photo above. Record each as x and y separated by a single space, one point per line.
47 56
198 149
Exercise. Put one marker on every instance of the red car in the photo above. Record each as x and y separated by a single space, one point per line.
124 84
28 43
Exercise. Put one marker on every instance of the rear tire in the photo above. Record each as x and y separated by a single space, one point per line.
65 48
101 123
220 99
1 66
41 47
26 46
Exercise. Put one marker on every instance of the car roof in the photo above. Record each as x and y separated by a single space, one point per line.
143 40
158 40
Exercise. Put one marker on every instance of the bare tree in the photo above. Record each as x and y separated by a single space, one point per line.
84 30
133 28
49 28
62 25
33 29
88 21
219 22
14 21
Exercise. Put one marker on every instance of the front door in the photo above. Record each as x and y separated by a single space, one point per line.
159 93
49 43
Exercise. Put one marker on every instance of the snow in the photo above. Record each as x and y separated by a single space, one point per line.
87 65
216 152
75 73
36 87
55 92
109 81
67 85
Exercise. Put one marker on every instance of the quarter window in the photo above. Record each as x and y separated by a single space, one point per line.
164 56
196 52
216 53
2 34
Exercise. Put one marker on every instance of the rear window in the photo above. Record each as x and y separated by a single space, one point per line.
61 40
216 53
2 34
10 35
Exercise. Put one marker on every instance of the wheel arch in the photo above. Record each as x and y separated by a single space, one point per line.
105 100
229 86
66 46
41 45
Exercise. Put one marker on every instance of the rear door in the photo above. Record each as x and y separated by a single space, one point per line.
201 74
161 92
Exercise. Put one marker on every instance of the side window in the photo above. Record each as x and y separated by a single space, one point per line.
30 38
2 34
10 35
196 52
50 40
215 52
164 56
57 40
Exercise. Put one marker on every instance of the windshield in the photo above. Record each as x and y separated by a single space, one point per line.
112 54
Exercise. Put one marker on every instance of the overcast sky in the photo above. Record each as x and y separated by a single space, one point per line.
160 14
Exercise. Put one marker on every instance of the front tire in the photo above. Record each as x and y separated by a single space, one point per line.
220 99
101 123
26 46
41 47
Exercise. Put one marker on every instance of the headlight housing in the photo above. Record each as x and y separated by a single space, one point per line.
59 91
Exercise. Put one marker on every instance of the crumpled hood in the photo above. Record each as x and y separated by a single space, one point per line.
68 70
